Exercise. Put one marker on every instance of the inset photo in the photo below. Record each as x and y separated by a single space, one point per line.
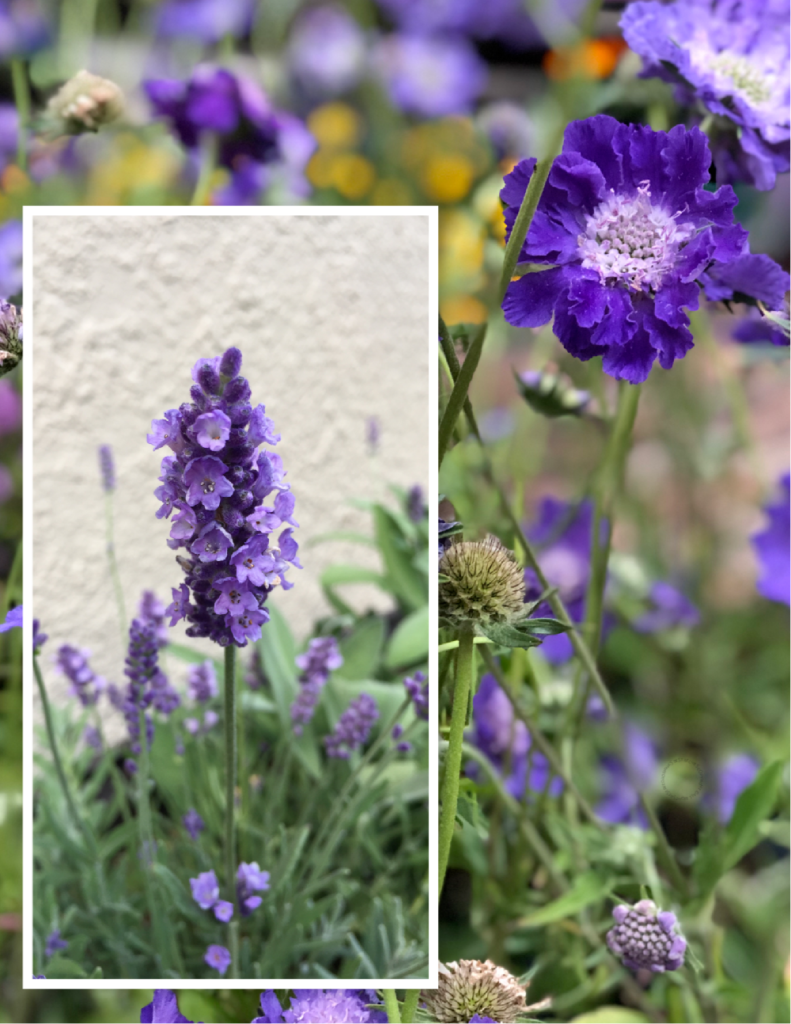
231 752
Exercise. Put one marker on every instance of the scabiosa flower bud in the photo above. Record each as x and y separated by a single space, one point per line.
353 727
470 987
107 468
483 584
84 104
644 937
10 337
209 484
321 658
85 684
417 688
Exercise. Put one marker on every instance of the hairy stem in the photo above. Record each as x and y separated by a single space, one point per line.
230 787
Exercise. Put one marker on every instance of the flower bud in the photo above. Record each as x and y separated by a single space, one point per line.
84 104
469 987
482 583
10 337
646 938
231 363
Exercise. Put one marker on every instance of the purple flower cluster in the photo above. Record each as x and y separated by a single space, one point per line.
193 823
107 468
326 51
332 1006
147 684
625 778
152 611
54 943
505 741
731 779
216 501
773 547
668 608
250 879
417 688
631 231
430 76
208 21
202 681
321 658
206 893
352 728
73 663
646 938
733 57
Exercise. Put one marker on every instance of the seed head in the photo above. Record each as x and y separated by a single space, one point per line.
84 104
644 937
483 584
468 987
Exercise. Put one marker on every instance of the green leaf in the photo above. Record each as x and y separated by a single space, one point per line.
276 648
362 649
754 805
334 575
544 627
510 636
588 888
611 1015
409 642
62 967
402 578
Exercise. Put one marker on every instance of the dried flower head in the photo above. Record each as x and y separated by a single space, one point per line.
470 987
645 937
10 336
84 104
481 583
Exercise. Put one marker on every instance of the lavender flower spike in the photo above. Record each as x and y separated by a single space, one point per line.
644 937
141 668
107 468
211 482
629 230
417 688
353 727
85 684
321 657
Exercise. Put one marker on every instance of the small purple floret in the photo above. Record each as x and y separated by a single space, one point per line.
219 958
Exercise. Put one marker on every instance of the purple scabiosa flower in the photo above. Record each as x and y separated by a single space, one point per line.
417 688
326 51
85 684
211 497
505 741
731 779
630 229
750 277
773 547
733 57
54 943
13 619
563 535
208 21
321 658
107 468
271 1010
646 938
205 889
23 28
193 823
163 1009
754 328
250 879
331 1006
668 608
430 76
202 681
625 778
219 958
353 727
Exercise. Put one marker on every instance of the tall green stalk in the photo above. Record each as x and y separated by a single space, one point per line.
230 798
465 660
113 563
409 1005
391 1005
21 87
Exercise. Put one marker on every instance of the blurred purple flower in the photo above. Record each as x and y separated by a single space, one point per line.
773 547
353 727
326 51
163 1009
321 658
208 21
202 681
23 28
250 879
152 611
219 958
72 662
625 778
193 823
731 779
92 737
755 327
508 127
11 258
669 608
415 503
430 76
205 889
107 468
331 1006
39 638
505 741
54 943
10 408
417 688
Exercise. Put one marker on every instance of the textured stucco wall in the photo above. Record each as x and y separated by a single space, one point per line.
331 314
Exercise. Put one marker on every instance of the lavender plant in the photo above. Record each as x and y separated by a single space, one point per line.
321 837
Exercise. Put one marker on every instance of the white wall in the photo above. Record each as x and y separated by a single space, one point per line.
331 314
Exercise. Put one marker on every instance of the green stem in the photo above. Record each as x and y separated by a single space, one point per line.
21 88
208 162
451 645
458 397
114 574
230 787
409 1006
391 1005
527 210
452 771
80 825
665 848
